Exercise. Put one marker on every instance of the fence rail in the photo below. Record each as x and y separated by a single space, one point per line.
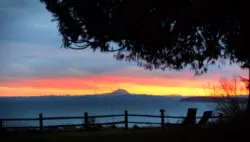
20 119
103 116
143 115
190 118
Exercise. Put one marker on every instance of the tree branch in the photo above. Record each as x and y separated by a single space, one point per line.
115 50
79 47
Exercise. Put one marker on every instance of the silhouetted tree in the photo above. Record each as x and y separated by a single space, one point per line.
157 34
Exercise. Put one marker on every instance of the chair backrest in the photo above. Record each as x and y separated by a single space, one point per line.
206 115
191 116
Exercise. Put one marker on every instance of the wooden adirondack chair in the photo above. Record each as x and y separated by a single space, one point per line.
205 117
190 119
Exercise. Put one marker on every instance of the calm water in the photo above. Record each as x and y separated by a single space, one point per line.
94 105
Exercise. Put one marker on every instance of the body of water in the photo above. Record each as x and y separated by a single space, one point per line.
95 105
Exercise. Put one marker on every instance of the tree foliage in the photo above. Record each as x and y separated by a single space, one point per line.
157 34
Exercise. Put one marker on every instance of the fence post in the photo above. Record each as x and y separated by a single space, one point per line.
1 124
86 121
126 119
162 118
41 122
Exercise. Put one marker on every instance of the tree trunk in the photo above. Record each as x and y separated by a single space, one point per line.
248 87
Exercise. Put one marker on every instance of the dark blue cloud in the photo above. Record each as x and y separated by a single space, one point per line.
29 47
26 21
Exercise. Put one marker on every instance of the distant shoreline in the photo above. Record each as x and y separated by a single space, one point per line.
210 99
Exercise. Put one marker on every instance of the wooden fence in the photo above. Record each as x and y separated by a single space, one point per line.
190 118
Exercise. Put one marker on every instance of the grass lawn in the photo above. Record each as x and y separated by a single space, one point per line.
120 135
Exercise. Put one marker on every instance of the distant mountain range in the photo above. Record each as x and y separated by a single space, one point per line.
123 94
118 92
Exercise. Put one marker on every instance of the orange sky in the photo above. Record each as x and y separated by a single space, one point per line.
96 84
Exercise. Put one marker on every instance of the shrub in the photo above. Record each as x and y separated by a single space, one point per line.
229 102
136 127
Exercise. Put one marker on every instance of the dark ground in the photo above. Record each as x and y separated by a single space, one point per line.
180 134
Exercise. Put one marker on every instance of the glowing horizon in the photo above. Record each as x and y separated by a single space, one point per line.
106 84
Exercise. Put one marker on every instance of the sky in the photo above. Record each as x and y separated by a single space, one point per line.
33 64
